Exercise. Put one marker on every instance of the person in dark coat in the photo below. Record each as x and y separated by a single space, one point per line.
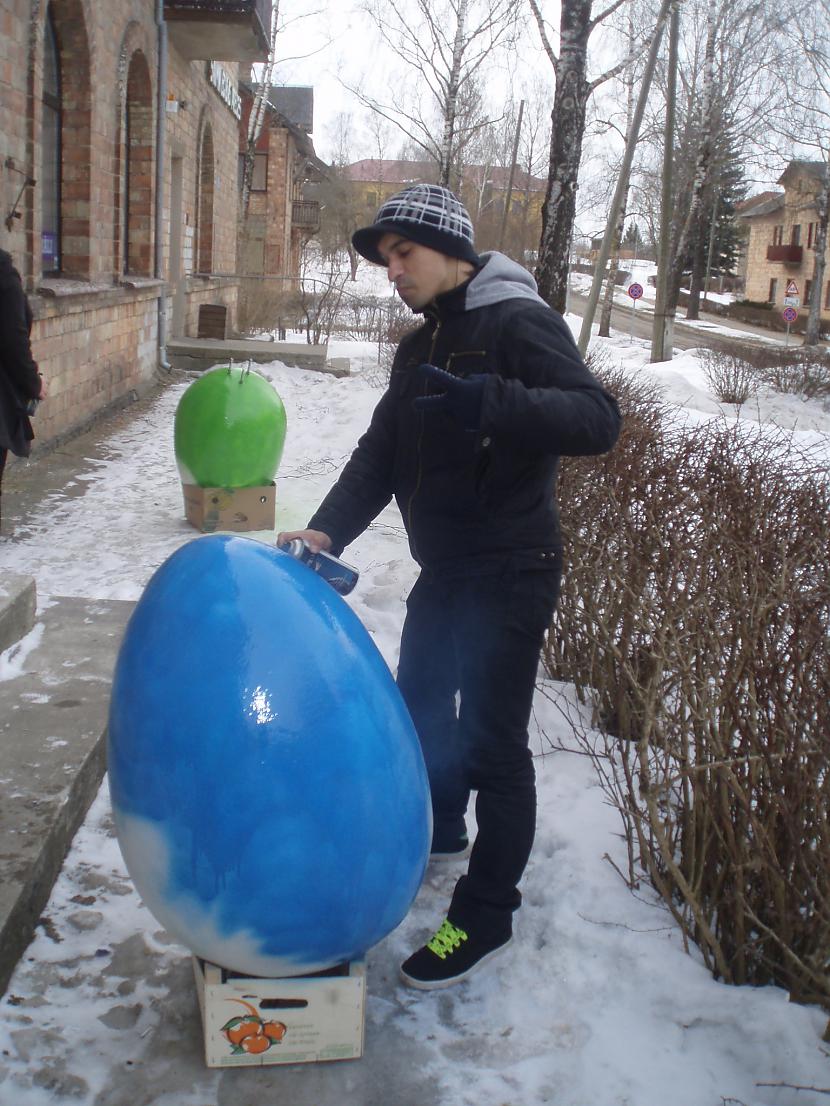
482 400
20 382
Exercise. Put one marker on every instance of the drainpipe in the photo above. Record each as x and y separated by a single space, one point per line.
161 150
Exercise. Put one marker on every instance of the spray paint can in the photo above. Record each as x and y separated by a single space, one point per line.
341 576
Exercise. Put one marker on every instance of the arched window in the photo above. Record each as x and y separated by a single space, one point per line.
138 168
50 172
204 257
66 143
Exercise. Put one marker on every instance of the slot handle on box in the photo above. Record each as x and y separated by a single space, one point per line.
283 1003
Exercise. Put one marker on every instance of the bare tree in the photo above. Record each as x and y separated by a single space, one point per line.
341 208
446 43
572 91
628 80
729 50
261 90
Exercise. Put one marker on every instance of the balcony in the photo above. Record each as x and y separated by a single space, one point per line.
790 255
305 215
219 30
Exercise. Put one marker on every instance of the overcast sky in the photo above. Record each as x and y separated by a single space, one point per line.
325 45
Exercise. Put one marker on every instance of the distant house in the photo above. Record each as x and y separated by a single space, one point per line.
780 249
280 216
483 189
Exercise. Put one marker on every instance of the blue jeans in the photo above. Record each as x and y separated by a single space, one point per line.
475 642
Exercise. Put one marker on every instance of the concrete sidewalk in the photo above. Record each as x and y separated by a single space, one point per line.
55 671
54 696
136 987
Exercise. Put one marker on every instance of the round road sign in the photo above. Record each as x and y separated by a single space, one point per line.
790 314
635 291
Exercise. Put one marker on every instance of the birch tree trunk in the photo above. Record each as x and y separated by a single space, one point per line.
568 119
451 106
613 268
689 230
257 117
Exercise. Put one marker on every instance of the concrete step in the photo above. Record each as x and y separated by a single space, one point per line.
198 354
54 700
18 602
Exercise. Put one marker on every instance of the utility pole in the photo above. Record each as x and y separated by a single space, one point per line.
662 334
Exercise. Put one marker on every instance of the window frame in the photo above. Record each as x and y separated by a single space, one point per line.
51 189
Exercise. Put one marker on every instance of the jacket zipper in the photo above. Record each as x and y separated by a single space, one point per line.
418 452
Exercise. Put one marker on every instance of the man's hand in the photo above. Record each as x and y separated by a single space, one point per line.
316 540
461 398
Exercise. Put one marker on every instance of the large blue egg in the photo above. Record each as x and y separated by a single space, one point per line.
269 793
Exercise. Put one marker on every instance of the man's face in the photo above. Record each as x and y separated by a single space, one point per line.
419 273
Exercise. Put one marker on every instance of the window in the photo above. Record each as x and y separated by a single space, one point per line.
778 236
811 229
773 290
50 173
808 291
204 216
138 169
66 142
372 200
259 179
795 235
827 297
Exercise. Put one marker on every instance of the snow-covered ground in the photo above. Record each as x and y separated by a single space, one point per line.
597 1003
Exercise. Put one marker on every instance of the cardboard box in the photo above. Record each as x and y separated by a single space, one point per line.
210 509
253 1021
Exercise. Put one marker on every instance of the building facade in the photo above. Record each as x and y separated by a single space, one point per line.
280 215
780 251
484 190
118 181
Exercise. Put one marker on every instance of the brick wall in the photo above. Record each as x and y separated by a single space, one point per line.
96 322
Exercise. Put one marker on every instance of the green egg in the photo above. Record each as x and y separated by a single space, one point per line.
229 430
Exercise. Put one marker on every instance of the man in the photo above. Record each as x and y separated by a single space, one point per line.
20 381
482 400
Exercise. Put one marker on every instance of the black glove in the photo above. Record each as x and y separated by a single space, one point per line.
462 398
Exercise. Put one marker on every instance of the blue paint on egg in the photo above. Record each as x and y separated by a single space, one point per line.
268 788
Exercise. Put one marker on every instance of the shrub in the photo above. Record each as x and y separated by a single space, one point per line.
731 377
695 619
804 372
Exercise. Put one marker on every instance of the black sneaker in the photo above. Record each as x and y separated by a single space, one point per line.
450 957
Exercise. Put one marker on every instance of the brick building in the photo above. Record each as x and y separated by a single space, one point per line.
281 217
780 248
118 181
483 189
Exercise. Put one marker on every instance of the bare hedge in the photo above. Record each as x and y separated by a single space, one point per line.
695 619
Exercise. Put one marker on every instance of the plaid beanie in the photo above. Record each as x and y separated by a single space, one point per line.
424 213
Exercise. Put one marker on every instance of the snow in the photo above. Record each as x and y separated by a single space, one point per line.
597 1001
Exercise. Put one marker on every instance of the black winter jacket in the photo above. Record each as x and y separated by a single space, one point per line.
477 501
19 380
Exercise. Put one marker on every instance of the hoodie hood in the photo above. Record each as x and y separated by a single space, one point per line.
500 279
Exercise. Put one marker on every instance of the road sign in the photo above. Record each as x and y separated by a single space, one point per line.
792 288
790 314
792 301
635 291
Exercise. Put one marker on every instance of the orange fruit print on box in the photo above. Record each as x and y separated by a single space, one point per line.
250 1033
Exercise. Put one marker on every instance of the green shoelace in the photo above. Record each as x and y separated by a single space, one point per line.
446 940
